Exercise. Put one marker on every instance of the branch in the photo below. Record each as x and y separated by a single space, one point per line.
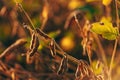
12 47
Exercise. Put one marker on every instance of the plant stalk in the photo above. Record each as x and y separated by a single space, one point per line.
116 41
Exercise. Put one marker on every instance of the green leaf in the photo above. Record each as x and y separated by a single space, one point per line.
109 36
106 29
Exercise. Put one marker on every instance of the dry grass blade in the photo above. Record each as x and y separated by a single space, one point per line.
14 46
63 66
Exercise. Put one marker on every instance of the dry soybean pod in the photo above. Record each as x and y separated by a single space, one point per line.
63 66
34 44
52 48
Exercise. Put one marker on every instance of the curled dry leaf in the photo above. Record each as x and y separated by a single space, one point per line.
63 66
52 48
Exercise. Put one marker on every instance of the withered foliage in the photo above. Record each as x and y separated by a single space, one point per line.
84 72
26 60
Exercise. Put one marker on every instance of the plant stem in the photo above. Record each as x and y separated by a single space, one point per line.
70 58
112 59
60 51
15 45
21 8
116 41
117 15
100 49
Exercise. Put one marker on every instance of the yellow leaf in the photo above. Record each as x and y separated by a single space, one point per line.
106 29
106 2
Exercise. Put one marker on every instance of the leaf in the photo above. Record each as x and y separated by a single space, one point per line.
109 36
101 27
106 29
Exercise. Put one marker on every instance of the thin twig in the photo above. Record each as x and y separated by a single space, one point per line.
61 52
117 15
116 41
78 25
70 58
14 46
21 8
112 59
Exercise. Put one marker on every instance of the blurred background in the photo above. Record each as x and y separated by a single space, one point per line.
53 17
